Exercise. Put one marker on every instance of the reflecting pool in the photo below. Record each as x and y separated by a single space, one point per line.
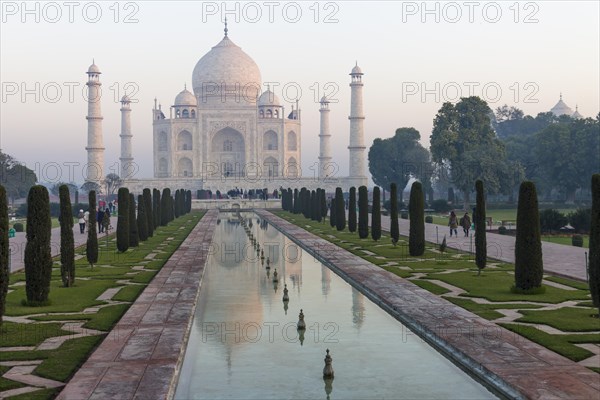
244 343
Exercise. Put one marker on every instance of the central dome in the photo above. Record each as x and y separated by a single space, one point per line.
226 68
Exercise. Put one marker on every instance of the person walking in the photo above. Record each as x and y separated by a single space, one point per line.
81 221
453 223
465 222
86 218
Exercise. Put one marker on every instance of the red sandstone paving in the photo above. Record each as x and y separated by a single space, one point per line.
531 369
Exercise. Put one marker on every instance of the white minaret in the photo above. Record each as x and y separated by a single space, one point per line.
126 158
95 148
357 134
325 138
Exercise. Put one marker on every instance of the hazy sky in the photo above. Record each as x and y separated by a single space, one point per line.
415 56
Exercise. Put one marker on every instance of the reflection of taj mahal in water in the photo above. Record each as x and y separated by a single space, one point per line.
228 134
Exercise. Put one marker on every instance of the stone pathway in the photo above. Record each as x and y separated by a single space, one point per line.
140 356
513 365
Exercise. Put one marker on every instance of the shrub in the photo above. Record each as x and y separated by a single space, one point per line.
581 220
376 214
4 271
18 226
480 233
551 220
363 212
394 229
91 246
416 208
429 219
404 215
502 230
340 210
577 240
67 243
123 220
529 265
594 253
148 212
440 205
38 260
352 210
134 239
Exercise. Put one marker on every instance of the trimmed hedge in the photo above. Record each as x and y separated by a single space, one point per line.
394 229
416 209
4 246
123 220
352 210
376 214
91 246
529 265
363 212
480 233
67 243
134 239
340 210
594 253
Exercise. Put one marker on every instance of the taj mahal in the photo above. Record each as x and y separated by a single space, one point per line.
228 133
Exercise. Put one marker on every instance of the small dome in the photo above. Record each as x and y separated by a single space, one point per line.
561 108
268 98
324 99
186 98
93 69
125 99
356 70
576 114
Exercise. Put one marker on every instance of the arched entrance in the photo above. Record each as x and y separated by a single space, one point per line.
228 151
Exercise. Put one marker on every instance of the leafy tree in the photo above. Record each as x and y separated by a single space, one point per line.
71 187
113 182
416 209
89 186
16 177
480 232
394 229
38 260
148 212
134 239
552 220
529 267
399 158
4 246
142 219
165 207
376 214
594 255
352 210
363 212
463 138
581 219
67 243
340 210
91 246
123 220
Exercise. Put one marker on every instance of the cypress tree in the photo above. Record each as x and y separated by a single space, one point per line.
318 213
352 210
323 206
67 243
416 210
148 212
142 219
176 205
284 206
76 197
189 205
134 239
376 215
123 220
156 207
363 212
91 246
594 255
164 206
4 271
296 209
394 229
38 259
480 233
332 210
314 205
529 266
340 210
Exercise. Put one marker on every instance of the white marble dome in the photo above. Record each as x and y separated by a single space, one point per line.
269 98
561 108
93 69
228 64
186 98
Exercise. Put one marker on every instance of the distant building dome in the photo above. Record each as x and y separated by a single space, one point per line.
356 70
561 108
268 98
186 98
576 114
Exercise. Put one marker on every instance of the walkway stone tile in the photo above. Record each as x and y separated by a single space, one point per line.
512 364
140 356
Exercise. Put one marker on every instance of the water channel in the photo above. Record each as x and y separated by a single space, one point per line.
244 343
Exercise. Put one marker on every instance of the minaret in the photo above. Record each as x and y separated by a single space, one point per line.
357 136
325 136
95 148
126 158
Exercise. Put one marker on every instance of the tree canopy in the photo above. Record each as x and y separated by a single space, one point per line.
16 178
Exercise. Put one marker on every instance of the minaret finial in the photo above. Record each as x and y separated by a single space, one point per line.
93 60
185 86
226 30
561 95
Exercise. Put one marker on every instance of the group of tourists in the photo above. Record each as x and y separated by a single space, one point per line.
454 222
102 219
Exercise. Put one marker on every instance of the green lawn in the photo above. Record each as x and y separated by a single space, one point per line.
61 363
494 284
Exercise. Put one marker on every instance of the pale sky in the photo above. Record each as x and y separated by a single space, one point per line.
526 58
